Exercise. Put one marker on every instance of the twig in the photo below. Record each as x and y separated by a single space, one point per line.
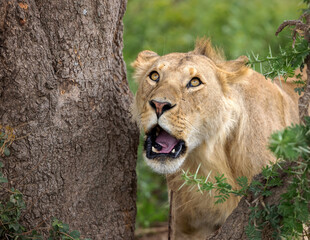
263 204
7 190
304 100
299 25
294 37
38 227
303 15
67 235
170 216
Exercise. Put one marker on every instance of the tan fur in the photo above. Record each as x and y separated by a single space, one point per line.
225 123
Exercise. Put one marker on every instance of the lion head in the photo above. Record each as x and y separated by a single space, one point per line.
183 101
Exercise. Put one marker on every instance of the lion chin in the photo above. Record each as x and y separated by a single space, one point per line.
164 166
197 109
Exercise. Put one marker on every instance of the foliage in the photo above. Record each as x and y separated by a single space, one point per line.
60 230
11 228
166 26
11 209
293 144
285 63
220 185
288 217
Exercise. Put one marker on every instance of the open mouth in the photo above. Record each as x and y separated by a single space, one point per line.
160 144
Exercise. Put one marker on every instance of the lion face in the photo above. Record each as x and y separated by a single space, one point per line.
178 105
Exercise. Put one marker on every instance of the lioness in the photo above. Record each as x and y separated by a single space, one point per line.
195 108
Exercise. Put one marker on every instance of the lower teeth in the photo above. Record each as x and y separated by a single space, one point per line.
156 151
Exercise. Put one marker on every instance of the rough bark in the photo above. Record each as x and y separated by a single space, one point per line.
63 85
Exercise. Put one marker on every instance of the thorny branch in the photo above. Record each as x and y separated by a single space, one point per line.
170 216
303 29
297 23
304 101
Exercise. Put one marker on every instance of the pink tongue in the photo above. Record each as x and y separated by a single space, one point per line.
167 141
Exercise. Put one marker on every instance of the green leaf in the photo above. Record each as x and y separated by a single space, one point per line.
75 234
286 143
252 232
4 218
65 228
6 152
56 223
267 193
15 226
3 180
242 181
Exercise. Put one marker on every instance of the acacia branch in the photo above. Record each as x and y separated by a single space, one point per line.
303 102
170 216
299 25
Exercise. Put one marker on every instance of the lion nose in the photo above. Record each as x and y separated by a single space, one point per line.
160 107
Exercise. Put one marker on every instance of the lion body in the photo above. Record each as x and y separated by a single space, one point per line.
225 123
265 107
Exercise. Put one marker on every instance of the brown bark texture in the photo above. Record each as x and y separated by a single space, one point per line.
63 87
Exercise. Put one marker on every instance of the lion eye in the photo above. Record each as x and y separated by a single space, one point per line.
194 82
154 76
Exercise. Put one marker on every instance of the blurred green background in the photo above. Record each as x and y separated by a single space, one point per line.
239 27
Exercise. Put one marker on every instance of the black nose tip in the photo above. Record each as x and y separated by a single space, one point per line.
160 107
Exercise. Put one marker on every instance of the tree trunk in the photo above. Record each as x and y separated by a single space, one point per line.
63 87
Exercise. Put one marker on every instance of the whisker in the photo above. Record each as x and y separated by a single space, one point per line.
191 124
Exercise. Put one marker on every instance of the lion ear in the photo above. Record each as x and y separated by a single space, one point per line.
204 47
144 60
234 65
144 57
232 71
